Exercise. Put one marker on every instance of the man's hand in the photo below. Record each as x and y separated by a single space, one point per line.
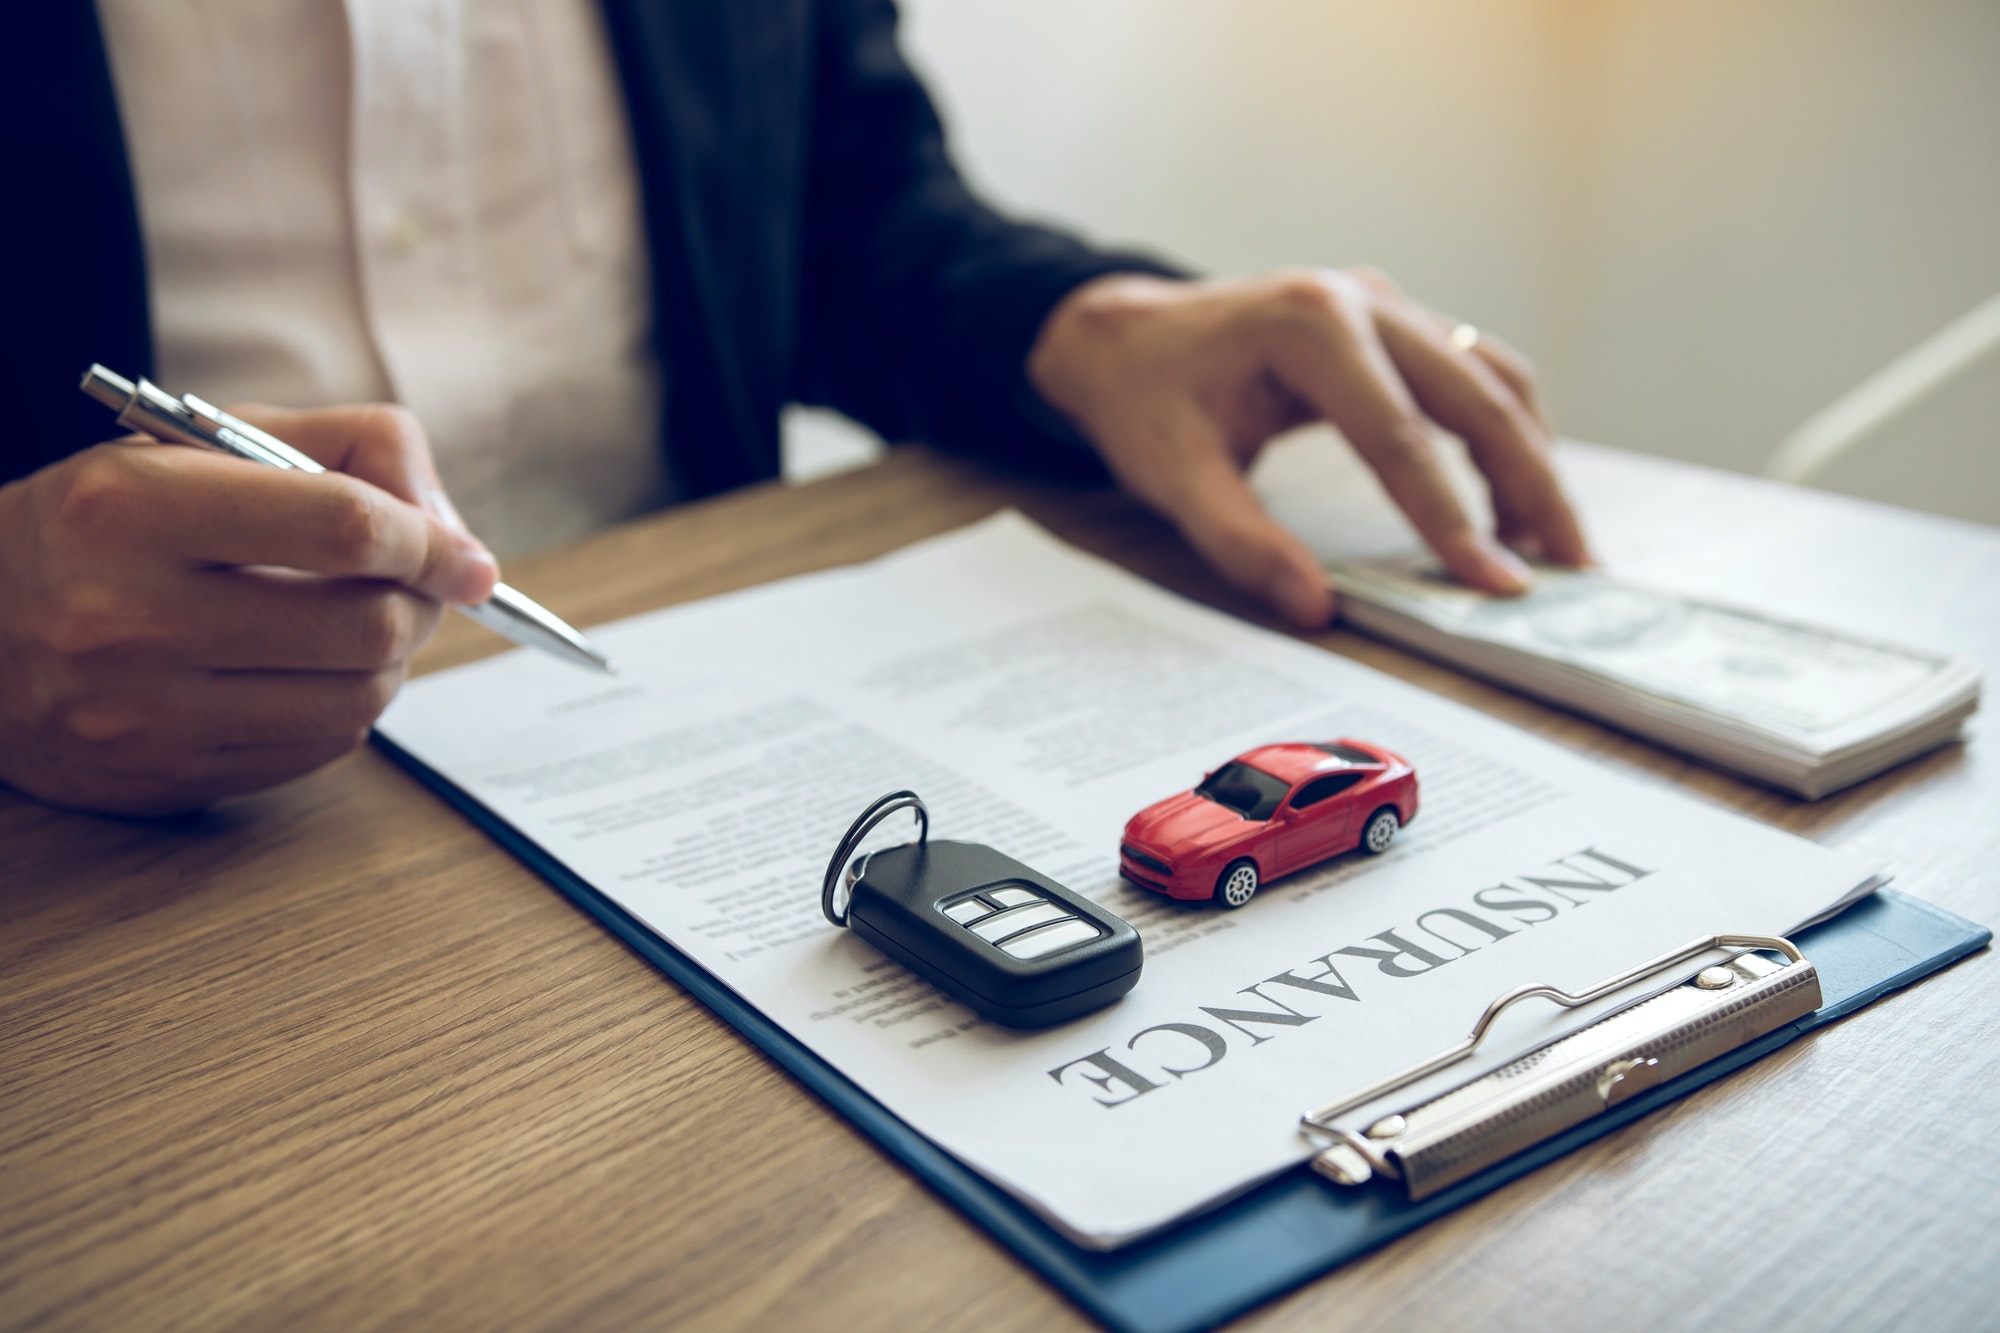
177 625
1180 384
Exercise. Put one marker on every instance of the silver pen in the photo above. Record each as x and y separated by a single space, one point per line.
147 408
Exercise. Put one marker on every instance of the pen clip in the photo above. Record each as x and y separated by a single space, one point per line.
221 423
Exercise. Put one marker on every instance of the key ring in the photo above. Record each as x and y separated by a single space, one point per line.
883 807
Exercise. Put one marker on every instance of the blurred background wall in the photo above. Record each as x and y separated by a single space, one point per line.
1704 219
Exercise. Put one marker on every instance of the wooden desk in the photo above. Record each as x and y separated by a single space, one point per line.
328 1058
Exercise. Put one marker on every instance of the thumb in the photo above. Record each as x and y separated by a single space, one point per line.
1222 518
385 445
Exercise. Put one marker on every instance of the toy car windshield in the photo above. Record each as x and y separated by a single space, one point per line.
1350 753
1250 793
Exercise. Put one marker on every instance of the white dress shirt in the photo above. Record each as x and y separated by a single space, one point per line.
425 201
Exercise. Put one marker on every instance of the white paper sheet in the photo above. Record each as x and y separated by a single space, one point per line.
1036 698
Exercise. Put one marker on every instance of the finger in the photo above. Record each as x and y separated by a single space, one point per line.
153 727
197 778
242 768
284 708
226 618
212 775
1212 504
381 443
1463 394
270 620
209 510
1516 372
1328 352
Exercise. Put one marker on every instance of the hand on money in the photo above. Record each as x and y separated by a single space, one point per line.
1180 385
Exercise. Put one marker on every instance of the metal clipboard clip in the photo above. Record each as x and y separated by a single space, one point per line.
1565 1082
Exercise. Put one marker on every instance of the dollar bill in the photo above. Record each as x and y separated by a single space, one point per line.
1753 691
1797 677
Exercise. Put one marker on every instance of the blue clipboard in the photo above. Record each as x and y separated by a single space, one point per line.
1296 1226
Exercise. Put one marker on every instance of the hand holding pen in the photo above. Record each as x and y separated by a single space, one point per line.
176 626
194 421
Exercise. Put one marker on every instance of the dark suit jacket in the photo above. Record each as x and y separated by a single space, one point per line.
810 238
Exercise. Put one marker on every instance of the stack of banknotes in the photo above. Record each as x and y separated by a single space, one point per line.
1803 708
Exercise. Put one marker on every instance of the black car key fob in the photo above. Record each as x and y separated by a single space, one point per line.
994 934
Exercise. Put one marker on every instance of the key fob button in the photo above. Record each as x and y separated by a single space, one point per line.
967 912
1014 897
1048 939
1017 919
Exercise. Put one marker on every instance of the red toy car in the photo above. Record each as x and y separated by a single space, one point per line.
1276 809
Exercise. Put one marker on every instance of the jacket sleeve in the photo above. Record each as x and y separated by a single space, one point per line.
920 303
72 268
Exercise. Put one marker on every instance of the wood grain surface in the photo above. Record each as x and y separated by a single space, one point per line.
327 1058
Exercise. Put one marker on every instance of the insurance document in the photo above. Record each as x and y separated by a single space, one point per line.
1036 698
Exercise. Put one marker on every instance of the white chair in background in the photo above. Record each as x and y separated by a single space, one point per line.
1886 395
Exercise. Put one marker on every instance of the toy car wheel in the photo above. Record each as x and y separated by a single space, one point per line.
1238 884
1381 831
